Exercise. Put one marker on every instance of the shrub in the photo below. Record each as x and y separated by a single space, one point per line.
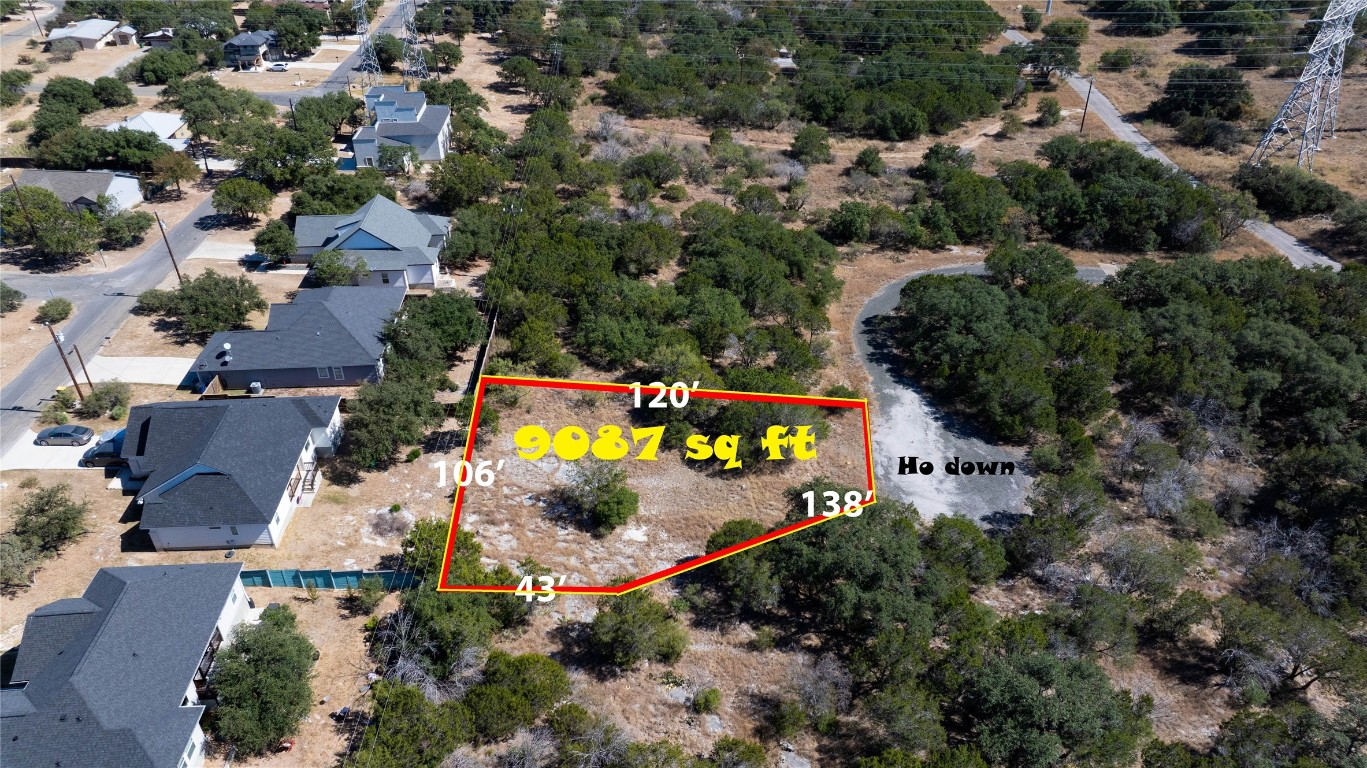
18 561
656 166
104 398
126 228
54 311
707 701
118 413
1031 18
367 596
812 145
614 509
1350 223
787 719
1211 132
1204 91
205 304
1286 191
10 298
675 193
48 518
413 455
17 126
112 92
1012 125
1049 112
870 161
275 241
53 413
64 50
1123 58
840 390
636 627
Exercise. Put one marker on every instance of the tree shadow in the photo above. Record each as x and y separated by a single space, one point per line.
574 651
28 260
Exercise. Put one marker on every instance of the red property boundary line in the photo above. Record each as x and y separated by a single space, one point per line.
645 581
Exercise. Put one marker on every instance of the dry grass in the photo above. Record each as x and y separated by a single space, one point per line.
21 337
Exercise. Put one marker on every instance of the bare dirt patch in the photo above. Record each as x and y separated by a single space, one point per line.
21 337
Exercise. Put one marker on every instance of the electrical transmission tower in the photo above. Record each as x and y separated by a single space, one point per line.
1312 109
414 64
370 63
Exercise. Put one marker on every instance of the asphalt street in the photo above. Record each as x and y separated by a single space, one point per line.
1297 252
102 303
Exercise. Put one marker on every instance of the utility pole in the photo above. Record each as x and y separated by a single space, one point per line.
169 252
57 342
34 13
81 360
1091 83
32 227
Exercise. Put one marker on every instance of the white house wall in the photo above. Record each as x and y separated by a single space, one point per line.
204 537
126 192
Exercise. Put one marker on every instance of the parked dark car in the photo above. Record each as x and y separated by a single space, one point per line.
68 435
105 454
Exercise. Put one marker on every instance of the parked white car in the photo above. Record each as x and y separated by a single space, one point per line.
278 66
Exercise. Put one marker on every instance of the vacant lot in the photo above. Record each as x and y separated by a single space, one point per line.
520 516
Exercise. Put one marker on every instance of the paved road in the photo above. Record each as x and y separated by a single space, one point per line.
20 35
102 303
1297 252
906 423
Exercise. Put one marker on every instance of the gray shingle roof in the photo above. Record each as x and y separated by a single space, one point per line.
258 38
381 218
391 260
70 186
243 453
340 326
106 673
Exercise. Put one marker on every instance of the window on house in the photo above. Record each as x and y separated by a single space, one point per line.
337 373
323 373
370 162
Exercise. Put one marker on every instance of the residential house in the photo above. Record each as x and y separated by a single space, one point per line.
170 127
328 337
252 49
163 38
82 189
124 35
399 246
120 676
87 34
228 473
402 118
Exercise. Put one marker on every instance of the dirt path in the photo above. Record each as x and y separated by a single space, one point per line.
479 69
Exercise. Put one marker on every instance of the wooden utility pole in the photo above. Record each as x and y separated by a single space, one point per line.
169 252
65 362
84 370
1091 82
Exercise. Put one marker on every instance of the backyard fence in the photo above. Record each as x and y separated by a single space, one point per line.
324 579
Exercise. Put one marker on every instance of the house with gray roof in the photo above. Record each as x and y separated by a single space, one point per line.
399 246
81 190
402 118
169 127
327 337
223 474
120 677
252 49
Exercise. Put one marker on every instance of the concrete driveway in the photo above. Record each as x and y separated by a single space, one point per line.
140 370
26 455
